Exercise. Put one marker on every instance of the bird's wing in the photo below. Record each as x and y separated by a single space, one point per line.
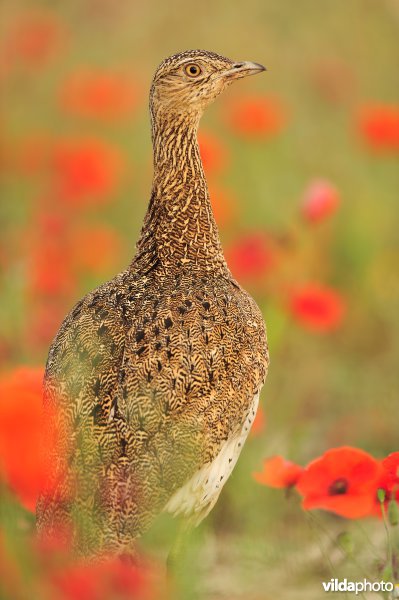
79 391
186 385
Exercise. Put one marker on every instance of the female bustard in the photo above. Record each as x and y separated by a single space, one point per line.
152 382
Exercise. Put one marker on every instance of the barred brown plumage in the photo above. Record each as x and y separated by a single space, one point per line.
152 381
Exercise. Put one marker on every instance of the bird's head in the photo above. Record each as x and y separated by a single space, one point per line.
187 82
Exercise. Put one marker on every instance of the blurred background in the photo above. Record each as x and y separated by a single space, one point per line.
302 165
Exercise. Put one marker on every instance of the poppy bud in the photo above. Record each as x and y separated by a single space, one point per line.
381 495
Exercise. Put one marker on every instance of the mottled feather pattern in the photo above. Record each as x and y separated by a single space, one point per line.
153 373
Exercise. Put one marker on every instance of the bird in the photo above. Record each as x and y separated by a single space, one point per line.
152 382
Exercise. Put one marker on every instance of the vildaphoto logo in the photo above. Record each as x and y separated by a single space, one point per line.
358 587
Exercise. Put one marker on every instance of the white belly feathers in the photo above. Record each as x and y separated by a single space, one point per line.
197 497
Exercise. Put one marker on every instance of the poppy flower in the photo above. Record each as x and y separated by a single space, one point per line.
279 473
21 460
112 578
45 318
378 125
321 200
213 152
34 37
96 249
251 256
390 466
52 223
224 205
98 94
51 272
343 480
316 307
86 171
388 483
257 116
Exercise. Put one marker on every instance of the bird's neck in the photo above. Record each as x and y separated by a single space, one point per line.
179 229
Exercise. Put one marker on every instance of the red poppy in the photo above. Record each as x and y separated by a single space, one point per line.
224 205
257 116
214 153
390 466
251 256
99 94
51 223
21 461
43 322
96 249
317 307
388 483
378 125
51 272
343 480
34 37
113 578
279 473
321 200
87 170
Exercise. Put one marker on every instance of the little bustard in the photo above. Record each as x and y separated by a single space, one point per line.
152 382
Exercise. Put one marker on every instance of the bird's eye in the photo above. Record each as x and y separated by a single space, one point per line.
193 70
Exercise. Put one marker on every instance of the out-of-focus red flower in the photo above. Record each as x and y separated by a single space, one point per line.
87 171
279 473
257 116
321 200
343 480
101 581
45 318
390 466
378 125
388 482
21 460
51 272
259 424
317 307
96 249
214 153
224 205
98 94
34 37
251 256
52 224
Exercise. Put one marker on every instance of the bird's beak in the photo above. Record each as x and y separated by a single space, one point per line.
242 69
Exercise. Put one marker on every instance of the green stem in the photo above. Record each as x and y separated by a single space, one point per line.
390 560
335 543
